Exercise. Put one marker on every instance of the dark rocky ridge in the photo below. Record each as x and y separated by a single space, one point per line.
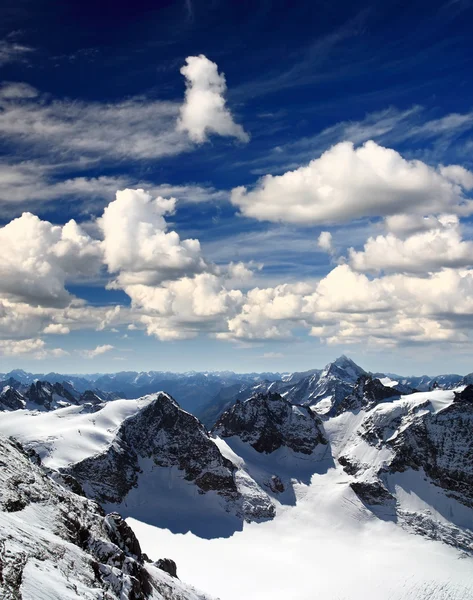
43 395
269 421
442 445
169 436
367 393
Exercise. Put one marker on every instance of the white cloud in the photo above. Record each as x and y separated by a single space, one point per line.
405 224
34 348
137 244
347 183
272 355
347 307
420 252
15 90
56 329
324 241
38 258
98 351
135 129
12 51
204 111
458 174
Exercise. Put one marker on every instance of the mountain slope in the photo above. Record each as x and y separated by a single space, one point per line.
55 544
159 459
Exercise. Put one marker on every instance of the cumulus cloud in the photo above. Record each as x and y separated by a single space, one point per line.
137 244
56 329
459 175
34 348
347 307
38 258
98 351
204 110
347 183
423 251
324 241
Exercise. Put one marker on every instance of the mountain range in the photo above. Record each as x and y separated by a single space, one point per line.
319 460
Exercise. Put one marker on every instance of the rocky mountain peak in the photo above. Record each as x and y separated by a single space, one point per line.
162 438
268 421
343 368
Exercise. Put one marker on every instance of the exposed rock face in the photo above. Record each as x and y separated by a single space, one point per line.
367 393
67 543
372 493
169 436
43 395
168 565
323 390
441 444
11 399
466 395
268 421
49 395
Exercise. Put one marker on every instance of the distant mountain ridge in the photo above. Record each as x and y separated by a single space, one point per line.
208 394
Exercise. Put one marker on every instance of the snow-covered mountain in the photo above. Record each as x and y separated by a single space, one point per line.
163 446
356 463
43 395
321 389
56 544
193 390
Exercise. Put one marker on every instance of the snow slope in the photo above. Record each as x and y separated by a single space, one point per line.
327 543
68 435
326 546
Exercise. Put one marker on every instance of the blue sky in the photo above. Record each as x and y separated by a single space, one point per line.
364 251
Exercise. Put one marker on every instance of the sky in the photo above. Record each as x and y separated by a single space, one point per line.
254 186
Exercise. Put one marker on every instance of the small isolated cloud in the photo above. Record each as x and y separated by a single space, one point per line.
204 111
324 242
11 51
13 90
98 351
56 329
348 183
272 355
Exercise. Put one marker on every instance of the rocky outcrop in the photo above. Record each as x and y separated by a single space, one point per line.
367 393
11 399
372 493
49 395
67 542
442 444
269 421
